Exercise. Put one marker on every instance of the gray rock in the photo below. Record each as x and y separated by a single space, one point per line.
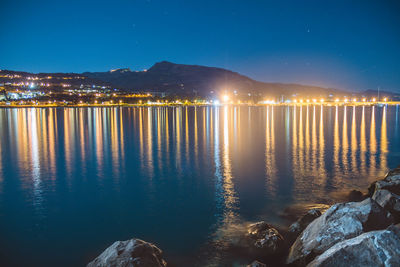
391 183
340 222
257 264
130 253
264 236
297 227
376 248
389 201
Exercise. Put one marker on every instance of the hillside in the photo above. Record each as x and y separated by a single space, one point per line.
179 79
200 80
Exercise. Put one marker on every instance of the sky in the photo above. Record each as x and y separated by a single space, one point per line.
352 45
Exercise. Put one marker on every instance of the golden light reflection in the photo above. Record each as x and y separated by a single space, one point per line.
196 140
159 148
178 123
270 165
301 144
354 141
307 137
295 159
314 144
33 124
336 142
149 141
121 135
186 134
321 160
345 143
114 142
99 139
229 190
363 145
383 142
372 144
141 141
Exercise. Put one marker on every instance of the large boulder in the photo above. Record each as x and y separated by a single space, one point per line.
389 201
130 253
391 182
340 222
297 227
376 248
265 237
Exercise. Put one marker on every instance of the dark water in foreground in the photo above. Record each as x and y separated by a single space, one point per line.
73 180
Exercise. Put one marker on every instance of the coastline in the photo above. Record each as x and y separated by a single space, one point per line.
338 235
326 104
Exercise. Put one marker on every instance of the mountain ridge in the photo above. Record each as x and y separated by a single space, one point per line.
193 80
165 76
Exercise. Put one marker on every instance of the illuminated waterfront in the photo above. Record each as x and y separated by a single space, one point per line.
76 179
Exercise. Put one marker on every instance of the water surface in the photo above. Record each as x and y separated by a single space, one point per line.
73 180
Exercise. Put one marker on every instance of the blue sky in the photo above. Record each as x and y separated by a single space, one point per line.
343 44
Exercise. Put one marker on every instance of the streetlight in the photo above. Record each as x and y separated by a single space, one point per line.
225 98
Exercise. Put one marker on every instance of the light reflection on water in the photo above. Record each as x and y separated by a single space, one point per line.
95 175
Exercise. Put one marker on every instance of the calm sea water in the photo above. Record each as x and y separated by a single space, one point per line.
73 180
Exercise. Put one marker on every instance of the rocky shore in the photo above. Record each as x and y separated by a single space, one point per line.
363 232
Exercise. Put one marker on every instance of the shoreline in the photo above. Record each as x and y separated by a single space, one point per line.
379 104
319 237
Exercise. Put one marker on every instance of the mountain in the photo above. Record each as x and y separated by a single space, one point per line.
180 79
200 80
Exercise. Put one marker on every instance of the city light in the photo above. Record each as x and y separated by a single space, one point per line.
225 98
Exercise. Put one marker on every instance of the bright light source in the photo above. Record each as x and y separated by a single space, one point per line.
337 100
295 101
308 100
225 98
314 100
322 100
364 100
346 100
385 99
374 99
354 99
301 100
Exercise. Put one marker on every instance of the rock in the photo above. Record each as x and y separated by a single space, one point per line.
395 171
376 248
257 264
340 222
391 183
389 201
133 252
297 227
293 212
265 237
355 196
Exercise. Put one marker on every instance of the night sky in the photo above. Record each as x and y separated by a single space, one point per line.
344 44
